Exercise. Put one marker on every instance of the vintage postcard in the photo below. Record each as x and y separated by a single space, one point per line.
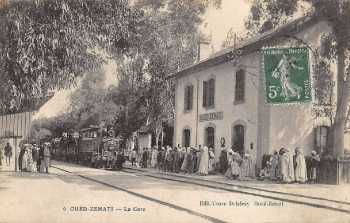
174 111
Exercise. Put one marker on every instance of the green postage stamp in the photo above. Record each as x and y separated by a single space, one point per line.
287 75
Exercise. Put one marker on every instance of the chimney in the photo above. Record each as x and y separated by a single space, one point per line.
204 50
204 47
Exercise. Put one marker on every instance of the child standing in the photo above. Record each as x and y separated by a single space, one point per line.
235 166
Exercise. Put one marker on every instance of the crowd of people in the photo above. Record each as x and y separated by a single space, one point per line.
287 166
187 160
284 166
200 160
110 160
31 158
34 158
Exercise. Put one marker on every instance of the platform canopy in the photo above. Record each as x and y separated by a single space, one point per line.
16 122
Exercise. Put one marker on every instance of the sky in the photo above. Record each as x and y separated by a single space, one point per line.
231 15
218 22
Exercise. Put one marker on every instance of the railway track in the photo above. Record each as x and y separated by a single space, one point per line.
307 201
312 201
170 205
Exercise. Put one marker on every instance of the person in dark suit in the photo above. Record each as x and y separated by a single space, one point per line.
20 157
35 155
190 161
41 157
144 158
8 154
223 160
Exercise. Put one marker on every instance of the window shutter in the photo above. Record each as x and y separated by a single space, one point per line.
190 97
211 92
186 98
205 91
186 137
240 86
183 138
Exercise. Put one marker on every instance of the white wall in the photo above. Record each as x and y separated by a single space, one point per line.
16 124
144 141
278 125
292 125
245 113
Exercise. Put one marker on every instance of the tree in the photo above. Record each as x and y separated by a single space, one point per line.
171 43
87 97
57 125
324 90
232 38
267 14
130 93
161 37
45 45
89 105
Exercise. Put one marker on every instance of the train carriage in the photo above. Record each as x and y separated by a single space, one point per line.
89 144
100 151
111 150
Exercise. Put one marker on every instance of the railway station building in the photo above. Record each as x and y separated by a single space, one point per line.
226 96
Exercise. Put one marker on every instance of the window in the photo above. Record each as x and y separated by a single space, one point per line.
205 93
188 98
240 86
210 137
321 136
238 138
209 93
186 137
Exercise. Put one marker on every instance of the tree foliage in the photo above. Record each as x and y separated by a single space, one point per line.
267 14
149 41
47 44
169 43
89 105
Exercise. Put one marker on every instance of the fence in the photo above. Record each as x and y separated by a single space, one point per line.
334 171
13 128
343 171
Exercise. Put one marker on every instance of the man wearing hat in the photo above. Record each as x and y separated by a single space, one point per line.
45 163
35 155
315 161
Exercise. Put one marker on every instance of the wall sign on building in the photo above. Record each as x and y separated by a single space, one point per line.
287 75
211 116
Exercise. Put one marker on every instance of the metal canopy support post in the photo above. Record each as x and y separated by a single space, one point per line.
16 156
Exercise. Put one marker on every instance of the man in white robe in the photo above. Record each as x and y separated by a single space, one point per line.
154 157
291 174
211 160
247 167
287 167
25 166
300 169
184 162
204 161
